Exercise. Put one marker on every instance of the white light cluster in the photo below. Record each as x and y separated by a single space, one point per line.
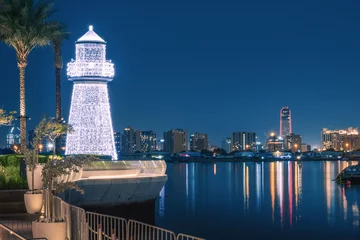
90 62
91 119
90 69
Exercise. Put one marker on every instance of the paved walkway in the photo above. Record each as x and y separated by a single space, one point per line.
20 223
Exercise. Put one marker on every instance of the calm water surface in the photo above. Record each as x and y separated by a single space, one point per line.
277 200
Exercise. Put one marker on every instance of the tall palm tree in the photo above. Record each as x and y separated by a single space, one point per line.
58 63
24 26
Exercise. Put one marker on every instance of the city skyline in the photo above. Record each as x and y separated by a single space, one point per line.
157 62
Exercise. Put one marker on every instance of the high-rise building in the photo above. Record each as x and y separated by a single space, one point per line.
293 142
340 140
160 145
131 140
226 144
118 137
199 141
243 141
285 122
176 140
148 141
90 113
13 137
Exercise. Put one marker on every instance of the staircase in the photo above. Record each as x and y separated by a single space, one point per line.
12 202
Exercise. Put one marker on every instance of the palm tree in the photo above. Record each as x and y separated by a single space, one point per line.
58 63
24 26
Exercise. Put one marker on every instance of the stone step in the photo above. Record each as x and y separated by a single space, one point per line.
12 201
12 195
12 207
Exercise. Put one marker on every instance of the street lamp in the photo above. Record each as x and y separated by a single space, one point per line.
295 145
347 146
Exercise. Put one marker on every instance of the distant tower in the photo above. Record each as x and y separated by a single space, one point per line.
90 109
285 122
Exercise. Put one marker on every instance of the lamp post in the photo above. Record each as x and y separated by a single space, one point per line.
347 146
295 145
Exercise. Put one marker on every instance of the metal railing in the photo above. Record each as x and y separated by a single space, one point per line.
106 227
94 226
142 231
182 236
8 233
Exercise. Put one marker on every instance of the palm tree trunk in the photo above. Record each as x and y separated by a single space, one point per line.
23 117
58 66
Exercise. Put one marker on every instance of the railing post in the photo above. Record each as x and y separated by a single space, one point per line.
99 234
113 235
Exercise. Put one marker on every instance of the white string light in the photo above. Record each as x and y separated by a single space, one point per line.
90 113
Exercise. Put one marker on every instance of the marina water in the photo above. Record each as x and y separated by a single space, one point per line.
248 200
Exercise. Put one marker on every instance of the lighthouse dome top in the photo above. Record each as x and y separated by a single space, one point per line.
90 37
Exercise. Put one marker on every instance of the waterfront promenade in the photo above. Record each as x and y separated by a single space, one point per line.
82 225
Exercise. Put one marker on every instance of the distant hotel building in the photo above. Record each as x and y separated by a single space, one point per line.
243 140
285 122
176 140
148 141
226 144
131 141
199 141
340 140
293 142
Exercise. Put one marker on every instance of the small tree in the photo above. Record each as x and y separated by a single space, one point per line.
55 129
6 118
31 156
51 172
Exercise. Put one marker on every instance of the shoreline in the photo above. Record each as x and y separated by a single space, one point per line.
213 160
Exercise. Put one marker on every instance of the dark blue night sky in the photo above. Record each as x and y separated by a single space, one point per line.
209 66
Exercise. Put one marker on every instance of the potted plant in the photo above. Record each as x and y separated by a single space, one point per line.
51 173
34 197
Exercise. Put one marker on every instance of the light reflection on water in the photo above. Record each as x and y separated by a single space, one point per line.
259 200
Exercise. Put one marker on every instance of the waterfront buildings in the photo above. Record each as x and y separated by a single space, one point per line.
131 141
198 142
13 137
90 113
118 137
243 140
340 140
285 122
176 140
293 142
274 143
148 141
226 144
305 147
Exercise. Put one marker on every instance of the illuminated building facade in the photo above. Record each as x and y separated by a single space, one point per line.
243 140
148 141
285 122
293 142
199 141
274 143
13 137
131 141
90 113
305 147
340 140
118 137
176 140
226 144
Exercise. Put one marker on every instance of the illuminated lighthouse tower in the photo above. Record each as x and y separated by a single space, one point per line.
90 109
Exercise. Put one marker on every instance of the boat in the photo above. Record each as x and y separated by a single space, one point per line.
350 175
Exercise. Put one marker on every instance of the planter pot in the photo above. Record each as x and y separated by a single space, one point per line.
33 202
50 231
38 184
